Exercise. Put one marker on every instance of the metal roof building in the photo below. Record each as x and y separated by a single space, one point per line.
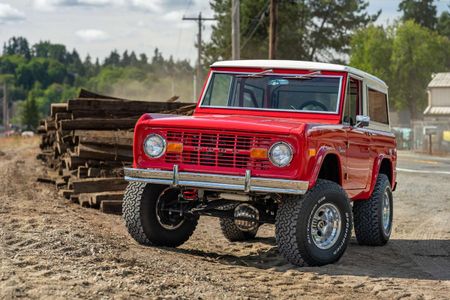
438 96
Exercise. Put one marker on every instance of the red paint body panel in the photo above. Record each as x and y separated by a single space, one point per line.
218 140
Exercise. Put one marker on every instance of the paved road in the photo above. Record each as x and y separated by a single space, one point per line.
409 162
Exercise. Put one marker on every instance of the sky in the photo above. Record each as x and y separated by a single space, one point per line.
95 27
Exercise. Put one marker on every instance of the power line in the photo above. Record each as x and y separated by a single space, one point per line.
180 31
199 21
257 21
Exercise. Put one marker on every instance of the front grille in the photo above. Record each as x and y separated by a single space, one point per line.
227 150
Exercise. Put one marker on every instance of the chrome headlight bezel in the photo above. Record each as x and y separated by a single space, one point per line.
163 142
278 164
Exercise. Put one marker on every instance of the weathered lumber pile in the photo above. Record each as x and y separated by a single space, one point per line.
86 142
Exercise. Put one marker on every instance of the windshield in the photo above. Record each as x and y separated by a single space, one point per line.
315 93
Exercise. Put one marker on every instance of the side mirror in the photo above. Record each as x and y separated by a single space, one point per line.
362 121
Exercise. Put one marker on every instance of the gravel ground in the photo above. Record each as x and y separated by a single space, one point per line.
50 248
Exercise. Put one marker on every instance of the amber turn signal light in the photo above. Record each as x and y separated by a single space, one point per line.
259 153
174 147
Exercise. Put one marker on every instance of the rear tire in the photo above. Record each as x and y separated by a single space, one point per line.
145 221
372 224
233 233
314 229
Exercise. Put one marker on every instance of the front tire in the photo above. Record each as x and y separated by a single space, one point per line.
147 219
373 217
314 230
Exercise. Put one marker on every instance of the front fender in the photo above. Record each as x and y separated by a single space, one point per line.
318 161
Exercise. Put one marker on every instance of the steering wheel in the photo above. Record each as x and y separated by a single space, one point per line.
314 103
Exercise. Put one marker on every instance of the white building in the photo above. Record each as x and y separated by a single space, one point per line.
437 115
438 98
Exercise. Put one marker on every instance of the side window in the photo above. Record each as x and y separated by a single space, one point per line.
352 101
378 110
217 93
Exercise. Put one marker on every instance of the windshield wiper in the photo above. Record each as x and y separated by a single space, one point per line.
256 75
303 76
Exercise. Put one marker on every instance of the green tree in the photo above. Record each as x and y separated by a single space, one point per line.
30 114
17 46
48 73
371 51
30 110
134 62
423 12
417 53
308 30
125 59
143 59
46 49
405 57
113 59
443 26
10 63
43 70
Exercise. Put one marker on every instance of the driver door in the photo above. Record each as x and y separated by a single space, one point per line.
358 139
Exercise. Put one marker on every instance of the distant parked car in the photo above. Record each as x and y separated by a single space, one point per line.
284 142
28 134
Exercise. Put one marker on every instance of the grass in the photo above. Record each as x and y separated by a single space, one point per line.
15 142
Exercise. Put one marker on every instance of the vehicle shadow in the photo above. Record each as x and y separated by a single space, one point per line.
416 259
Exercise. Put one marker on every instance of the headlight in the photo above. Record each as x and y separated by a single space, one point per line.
154 145
280 154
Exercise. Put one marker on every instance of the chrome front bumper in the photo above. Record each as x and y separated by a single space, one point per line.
245 183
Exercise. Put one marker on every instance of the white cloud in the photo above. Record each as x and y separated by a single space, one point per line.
144 5
10 14
92 35
50 5
173 16
141 24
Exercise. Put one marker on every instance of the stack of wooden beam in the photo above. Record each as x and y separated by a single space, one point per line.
86 142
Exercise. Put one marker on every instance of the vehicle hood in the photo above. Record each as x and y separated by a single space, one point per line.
224 123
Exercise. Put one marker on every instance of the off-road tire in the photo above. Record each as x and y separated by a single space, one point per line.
367 215
293 224
233 233
139 213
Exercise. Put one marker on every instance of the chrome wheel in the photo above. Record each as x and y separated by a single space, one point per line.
168 210
386 212
326 226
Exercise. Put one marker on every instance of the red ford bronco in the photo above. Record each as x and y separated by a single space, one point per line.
302 145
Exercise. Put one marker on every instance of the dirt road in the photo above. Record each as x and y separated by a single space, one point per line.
50 248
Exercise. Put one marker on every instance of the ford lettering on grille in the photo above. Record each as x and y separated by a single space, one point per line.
223 150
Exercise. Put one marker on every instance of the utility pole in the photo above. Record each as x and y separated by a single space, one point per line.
273 29
235 30
5 108
199 21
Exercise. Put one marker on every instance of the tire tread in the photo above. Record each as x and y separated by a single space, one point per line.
286 224
131 212
366 216
233 233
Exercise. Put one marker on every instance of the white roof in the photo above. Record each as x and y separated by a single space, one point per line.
296 64
440 80
437 110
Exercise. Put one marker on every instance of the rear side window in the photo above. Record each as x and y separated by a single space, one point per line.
378 107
